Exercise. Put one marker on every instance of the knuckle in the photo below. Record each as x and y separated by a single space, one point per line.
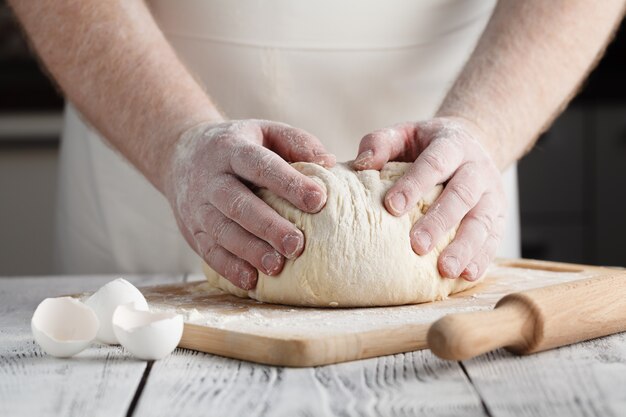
461 248
268 228
410 182
465 194
252 247
436 162
246 153
266 166
485 220
294 185
222 142
219 229
435 222
219 191
204 213
410 185
297 137
255 249
242 155
231 270
236 205
211 255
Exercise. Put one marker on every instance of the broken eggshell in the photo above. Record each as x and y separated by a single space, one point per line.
64 326
107 299
147 335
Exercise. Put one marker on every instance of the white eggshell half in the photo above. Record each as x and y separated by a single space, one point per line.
145 334
64 326
107 299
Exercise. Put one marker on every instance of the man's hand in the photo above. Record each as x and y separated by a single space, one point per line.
443 149
208 179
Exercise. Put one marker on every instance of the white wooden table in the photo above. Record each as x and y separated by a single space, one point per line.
588 379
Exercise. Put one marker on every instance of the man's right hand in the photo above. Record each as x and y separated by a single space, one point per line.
207 183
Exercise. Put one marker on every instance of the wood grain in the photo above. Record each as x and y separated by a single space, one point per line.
581 380
412 384
101 381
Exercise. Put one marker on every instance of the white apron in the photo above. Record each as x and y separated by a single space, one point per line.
338 69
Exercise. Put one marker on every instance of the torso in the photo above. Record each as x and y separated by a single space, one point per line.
336 69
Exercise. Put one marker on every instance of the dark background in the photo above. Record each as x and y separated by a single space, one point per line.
572 184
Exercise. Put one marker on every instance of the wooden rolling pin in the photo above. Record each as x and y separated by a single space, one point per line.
536 320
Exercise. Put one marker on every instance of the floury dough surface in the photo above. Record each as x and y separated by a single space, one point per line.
356 253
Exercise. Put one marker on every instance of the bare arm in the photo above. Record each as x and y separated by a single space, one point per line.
112 61
529 63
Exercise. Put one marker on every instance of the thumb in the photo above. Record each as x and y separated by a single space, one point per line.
296 145
384 145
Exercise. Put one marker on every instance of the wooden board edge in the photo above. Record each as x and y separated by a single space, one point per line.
551 266
300 352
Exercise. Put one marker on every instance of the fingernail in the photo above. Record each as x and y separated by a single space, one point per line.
314 201
364 159
423 240
271 262
451 265
398 203
246 279
292 244
471 272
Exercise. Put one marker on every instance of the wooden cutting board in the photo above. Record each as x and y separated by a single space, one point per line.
245 329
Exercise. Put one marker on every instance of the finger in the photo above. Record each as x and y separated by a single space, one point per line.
295 144
240 204
234 269
238 241
470 237
381 146
459 196
478 265
264 168
433 166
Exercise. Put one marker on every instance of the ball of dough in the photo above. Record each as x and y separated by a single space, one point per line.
356 254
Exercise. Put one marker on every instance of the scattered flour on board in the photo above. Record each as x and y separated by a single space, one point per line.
230 313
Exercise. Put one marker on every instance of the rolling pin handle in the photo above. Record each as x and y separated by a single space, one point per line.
464 336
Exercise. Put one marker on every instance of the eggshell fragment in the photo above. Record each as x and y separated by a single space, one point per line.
145 334
64 326
107 299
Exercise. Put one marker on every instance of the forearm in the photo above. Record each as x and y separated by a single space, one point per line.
113 63
526 67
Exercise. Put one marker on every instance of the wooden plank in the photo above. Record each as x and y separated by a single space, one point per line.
197 384
102 380
585 379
